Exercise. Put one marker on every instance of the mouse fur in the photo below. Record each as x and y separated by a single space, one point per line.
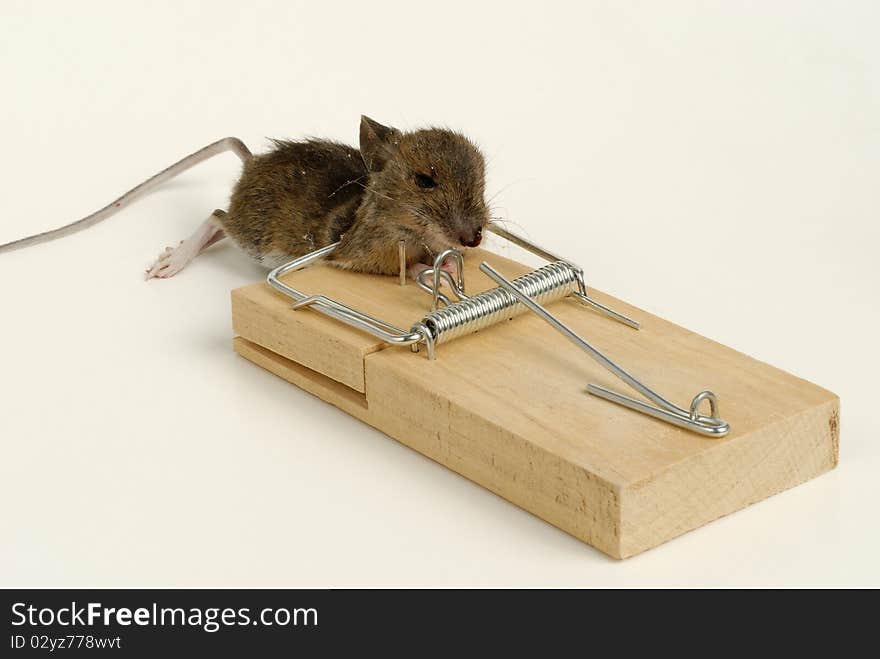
425 187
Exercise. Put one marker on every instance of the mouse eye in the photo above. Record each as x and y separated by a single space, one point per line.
425 182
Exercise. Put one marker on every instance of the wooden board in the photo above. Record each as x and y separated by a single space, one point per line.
507 407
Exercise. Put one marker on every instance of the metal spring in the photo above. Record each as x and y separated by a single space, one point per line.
546 284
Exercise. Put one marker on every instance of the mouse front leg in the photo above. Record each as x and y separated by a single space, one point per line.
175 259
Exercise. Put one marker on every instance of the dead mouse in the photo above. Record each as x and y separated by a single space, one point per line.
424 187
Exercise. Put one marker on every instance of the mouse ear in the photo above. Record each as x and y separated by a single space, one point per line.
378 143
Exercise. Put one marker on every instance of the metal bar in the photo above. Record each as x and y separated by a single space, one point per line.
528 245
525 243
688 419
341 312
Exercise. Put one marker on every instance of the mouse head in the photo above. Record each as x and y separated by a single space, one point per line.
430 182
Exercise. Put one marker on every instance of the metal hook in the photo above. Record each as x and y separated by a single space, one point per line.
711 426
446 277
438 274
437 271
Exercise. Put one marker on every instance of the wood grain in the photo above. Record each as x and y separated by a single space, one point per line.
507 407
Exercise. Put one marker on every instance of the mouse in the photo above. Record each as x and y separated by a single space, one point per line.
425 187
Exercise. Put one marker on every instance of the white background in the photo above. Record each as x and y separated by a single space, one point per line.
715 163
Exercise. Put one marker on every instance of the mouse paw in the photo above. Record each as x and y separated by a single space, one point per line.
175 259
170 262
418 268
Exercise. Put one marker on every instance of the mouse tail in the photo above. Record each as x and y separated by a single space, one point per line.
220 146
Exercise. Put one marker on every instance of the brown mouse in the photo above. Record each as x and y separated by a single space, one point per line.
424 187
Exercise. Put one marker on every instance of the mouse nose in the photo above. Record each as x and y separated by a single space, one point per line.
471 238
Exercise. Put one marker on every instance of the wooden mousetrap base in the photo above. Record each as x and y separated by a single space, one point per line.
507 407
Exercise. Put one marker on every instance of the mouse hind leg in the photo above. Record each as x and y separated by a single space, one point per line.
175 259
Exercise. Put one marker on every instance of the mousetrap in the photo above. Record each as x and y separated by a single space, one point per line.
524 381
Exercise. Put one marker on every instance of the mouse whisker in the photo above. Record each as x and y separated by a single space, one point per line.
498 212
509 185
421 215
374 191
347 183
502 221
416 212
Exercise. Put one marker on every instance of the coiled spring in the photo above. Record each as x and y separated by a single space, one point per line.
549 283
